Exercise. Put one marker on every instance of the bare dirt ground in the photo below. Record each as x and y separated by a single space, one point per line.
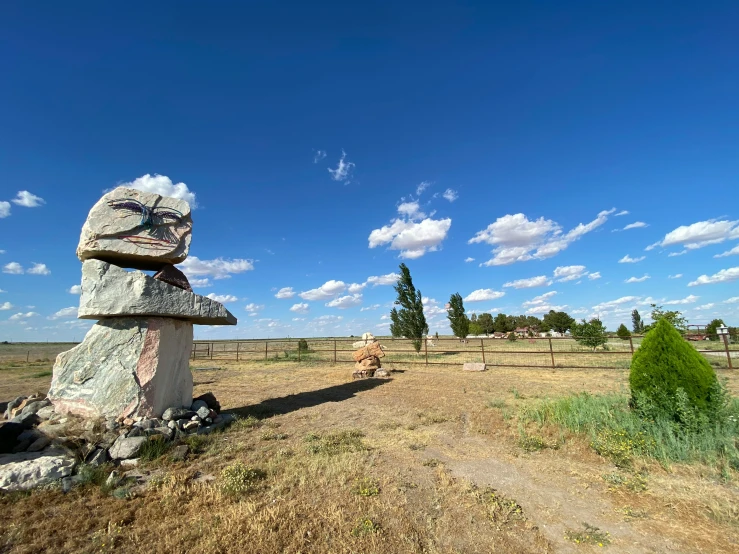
440 445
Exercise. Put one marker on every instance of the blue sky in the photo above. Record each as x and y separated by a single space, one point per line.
490 146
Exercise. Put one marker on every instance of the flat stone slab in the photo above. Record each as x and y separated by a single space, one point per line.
109 290
469 366
30 469
137 229
125 367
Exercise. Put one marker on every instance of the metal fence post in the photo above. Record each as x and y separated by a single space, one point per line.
298 351
237 350
265 349
551 352
334 351
482 345
728 353
426 349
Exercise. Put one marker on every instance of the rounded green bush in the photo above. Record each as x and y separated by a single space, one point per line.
664 363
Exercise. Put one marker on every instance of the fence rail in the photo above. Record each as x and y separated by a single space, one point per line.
535 352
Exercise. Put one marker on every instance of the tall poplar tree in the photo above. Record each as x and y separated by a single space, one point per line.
408 321
458 320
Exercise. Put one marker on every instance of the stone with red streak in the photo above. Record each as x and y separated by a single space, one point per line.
124 368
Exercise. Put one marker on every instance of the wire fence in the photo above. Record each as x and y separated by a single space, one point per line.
531 352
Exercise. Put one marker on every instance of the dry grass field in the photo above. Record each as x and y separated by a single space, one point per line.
434 460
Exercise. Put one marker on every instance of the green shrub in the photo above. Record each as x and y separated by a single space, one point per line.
512 336
623 333
665 364
303 345
238 479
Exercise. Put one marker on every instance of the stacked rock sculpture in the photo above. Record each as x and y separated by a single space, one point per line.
134 362
368 361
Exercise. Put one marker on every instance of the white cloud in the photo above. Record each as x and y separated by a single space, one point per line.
723 276
161 184
673 254
569 272
637 279
690 299
368 308
593 276
252 307
389 279
622 212
63 313
301 308
705 306
319 155
28 200
344 302
467 260
285 292
422 187
14 268
615 303
733 300
327 290
6 306
298 319
343 169
676 276
481 295
540 281
16 317
75 289
222 298
411 210
218 268
518 239
356 287
733 252
4 209
450 195
537 300
702 234
580 310
544 309
635 225
199 283
39 269
629 260
413 239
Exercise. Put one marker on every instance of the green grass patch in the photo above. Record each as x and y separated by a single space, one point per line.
153 449
589 535
38 375
336 443
620 434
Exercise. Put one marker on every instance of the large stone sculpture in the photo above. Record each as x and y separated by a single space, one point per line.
134 361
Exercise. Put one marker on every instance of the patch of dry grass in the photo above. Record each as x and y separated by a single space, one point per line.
314 438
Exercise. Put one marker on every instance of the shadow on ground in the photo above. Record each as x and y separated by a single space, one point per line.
294 402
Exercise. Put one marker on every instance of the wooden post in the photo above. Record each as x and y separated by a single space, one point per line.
210 350
334 351
631 342
298 351
237 350
265 349
426 349
728 353
28 353
482 345
551 352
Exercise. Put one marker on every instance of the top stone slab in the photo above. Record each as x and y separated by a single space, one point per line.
136 229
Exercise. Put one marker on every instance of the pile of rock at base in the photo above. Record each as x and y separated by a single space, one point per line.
368 361
40 446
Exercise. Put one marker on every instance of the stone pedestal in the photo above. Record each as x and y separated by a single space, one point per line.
126 367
